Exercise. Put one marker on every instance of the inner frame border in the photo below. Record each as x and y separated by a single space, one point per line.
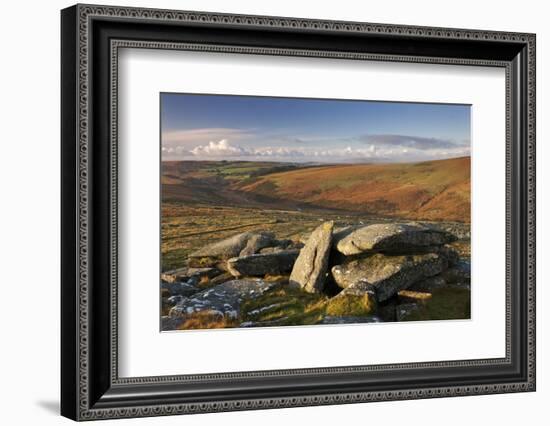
117 44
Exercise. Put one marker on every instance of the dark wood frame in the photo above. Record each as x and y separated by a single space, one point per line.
90 386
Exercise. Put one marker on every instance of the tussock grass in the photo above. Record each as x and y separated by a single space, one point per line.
207 320
446 303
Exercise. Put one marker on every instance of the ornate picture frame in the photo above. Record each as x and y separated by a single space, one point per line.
91 37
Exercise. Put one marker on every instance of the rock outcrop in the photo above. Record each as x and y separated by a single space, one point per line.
360 273
392 238
310 270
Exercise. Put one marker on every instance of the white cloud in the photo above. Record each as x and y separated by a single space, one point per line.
221 148
175 150
278 152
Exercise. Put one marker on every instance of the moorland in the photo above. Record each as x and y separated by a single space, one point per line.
207 202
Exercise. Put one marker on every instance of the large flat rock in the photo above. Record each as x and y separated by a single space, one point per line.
310 269
275 263
386 275
392 238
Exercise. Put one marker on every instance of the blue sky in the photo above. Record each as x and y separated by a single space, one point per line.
199 127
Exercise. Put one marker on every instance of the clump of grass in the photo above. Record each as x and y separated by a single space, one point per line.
201 262
446 303
351 305
206 282
282 279
173 259
207 319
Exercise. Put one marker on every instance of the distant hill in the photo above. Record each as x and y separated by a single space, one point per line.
432 190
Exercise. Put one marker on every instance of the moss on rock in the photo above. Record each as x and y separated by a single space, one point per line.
354 305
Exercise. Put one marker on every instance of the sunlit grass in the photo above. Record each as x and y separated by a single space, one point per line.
287 305
185 229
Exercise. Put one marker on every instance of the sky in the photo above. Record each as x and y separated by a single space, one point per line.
227 127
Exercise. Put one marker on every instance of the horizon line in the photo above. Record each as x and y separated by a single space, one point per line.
344 163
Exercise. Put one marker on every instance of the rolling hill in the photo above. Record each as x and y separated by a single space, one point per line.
432 190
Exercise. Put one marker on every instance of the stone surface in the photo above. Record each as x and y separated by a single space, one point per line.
186 273
257 242
216 253
203 272
392 238
282 245
458 276
179 289
338 234
450 253
226 276
261 264
387 274
310 269
174 300
269 250
224 299
429 284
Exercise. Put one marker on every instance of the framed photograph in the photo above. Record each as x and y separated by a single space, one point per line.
263 212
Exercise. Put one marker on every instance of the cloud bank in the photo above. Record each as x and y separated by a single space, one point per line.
415 142
381 149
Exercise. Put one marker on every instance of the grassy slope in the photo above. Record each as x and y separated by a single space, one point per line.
214 182
434 190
